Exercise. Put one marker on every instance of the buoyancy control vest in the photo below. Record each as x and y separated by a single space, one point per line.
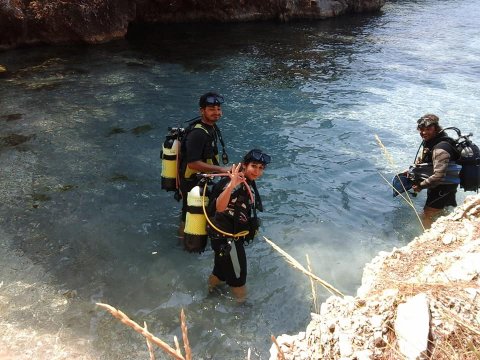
463 152
442 141
423 167
209 152
242 207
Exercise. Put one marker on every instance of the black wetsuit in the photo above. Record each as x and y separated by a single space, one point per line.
230 264
200 144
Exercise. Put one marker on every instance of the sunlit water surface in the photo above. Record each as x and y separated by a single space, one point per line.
87 205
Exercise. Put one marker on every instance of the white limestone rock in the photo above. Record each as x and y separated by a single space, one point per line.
412 327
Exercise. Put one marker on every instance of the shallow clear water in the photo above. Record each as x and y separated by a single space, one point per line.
87 204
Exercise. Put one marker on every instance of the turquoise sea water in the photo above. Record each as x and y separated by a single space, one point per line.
88 207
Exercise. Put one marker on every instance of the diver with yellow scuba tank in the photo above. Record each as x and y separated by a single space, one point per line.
232 221
187 152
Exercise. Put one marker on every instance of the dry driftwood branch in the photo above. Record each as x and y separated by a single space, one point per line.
149 343
127 321
281 355
177 345
186 344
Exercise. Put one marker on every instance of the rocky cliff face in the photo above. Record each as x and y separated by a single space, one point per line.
417 302
27 22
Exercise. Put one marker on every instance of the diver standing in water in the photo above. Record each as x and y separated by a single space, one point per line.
438 149
234 201
199 153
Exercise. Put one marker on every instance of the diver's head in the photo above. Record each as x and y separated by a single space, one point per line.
210 98
257 155
429 120
254 163
428 126
211 107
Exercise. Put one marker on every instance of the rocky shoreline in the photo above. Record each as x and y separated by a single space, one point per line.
25 22
417 302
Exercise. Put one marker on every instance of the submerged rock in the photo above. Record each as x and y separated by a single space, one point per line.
12 117
25 22
116 130
13 140
142 129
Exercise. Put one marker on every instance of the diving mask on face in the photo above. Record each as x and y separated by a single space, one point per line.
214 100
426 121
210 99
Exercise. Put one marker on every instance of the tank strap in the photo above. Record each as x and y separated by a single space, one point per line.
169 157
199 126
194 210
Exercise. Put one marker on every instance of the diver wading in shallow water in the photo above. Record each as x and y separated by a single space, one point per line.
443 164
233 221
199 154
439 152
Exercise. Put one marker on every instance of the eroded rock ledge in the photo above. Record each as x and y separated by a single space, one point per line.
27 22
417 302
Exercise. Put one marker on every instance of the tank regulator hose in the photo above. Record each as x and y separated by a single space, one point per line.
235 236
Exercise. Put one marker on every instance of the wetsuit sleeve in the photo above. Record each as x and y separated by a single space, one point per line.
195 144
440 158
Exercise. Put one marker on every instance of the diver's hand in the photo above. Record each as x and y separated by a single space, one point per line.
417 188
236 175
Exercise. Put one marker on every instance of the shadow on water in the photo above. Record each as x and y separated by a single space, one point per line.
203 47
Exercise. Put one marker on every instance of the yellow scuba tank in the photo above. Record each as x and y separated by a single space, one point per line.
169 157
195 233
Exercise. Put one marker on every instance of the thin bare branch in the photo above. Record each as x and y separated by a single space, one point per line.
385 151
280 355
149 343
127 321
186 344
298 266
407 199
177 345
312 285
